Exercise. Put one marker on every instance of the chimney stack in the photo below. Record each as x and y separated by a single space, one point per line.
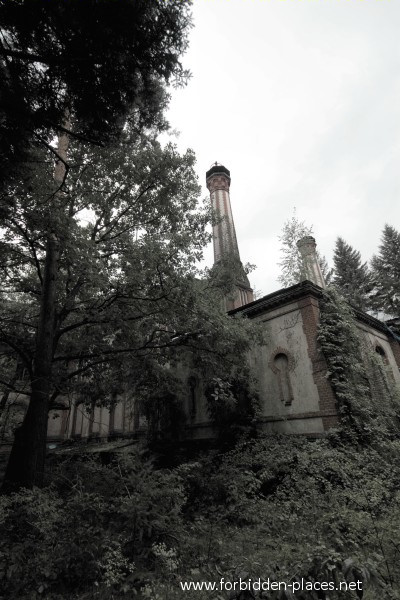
218 180
311 268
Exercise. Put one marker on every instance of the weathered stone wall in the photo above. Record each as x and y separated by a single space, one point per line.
285 336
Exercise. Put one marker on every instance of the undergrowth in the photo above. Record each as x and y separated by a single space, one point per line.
283 508
276 507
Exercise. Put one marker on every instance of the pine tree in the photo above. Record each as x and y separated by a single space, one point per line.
351 276
386 273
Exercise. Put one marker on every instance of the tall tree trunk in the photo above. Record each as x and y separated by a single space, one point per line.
26 464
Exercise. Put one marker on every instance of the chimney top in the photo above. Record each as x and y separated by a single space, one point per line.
306 240
311 269
217 169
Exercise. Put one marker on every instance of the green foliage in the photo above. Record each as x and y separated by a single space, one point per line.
130 299
233 405
287 507
102 62
291 265
276 507
97 526
352 276
367 396
341 346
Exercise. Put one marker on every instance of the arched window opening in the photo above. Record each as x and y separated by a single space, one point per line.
57 422
78 420
192 383
379 350
281 364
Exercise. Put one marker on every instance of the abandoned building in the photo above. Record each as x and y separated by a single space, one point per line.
295 394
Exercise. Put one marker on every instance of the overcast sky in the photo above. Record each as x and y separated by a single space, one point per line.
300 99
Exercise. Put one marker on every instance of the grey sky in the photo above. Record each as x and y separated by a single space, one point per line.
300 99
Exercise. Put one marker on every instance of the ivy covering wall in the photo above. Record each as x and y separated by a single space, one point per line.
367 396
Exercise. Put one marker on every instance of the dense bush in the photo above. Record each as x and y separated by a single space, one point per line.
94 526
281 507
287 507
278 507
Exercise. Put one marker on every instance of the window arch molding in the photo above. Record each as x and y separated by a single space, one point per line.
285 352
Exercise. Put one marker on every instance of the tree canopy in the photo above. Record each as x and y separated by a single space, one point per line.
130 300
101 62
88 72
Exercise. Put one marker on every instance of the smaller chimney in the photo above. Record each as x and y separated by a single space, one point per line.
311 268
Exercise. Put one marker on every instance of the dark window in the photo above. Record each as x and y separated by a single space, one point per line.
380 351
281 364
192 397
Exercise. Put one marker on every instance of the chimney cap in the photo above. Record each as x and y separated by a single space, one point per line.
217 169
308 239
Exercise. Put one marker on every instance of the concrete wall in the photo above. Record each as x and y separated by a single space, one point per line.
291 406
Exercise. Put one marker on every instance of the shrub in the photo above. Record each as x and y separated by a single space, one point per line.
98 529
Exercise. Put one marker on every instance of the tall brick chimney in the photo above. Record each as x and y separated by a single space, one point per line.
218 180
311 267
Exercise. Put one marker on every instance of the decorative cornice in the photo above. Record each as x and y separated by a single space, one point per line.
297 292
280 298
218 182
371 321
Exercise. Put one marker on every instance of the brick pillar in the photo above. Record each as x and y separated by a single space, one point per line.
309 309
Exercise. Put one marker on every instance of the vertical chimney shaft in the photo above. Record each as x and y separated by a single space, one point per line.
218 180
311 267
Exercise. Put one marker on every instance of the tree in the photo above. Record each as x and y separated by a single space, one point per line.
79 70
351 276
385 268
291 263
129 301
101 61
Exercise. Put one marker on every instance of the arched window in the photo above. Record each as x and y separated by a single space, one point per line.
281 365
192 384
79 420
57 422
379 350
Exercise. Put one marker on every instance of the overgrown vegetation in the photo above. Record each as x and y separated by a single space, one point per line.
367 397
283 508
278 507
98 257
